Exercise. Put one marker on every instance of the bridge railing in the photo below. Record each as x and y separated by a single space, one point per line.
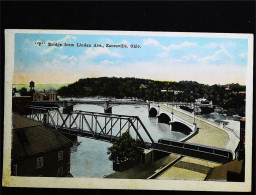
215 123
195 150
177 117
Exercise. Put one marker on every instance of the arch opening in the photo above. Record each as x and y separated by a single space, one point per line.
180 127
164 118
152 112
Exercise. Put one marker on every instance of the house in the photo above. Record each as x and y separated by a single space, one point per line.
38 150
241 92
19 104
52 96
177 92
38 96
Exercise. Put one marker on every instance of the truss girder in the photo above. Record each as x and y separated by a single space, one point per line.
96 124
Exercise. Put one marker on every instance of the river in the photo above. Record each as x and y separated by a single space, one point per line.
90 158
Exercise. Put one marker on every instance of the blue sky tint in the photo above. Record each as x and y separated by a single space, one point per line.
206 60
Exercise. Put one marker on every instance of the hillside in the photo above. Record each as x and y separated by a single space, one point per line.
145 89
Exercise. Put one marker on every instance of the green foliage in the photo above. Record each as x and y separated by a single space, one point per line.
146 89
24 91
125 148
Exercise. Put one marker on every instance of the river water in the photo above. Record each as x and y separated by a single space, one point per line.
90 158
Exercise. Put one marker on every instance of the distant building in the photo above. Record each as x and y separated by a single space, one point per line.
203 101
16 94
177 92
52 96
38 96
38 150
242 92
142 86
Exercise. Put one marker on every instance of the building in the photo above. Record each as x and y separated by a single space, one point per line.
38 150
38 96
241 148
52 96
241 92
175 92
19 104
203 101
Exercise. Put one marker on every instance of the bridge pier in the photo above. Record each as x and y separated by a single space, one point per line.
68 109
108 110
152 155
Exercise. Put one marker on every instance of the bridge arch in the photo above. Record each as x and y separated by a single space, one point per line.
180 127
164 118
152 112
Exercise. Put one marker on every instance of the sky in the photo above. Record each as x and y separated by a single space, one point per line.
205 60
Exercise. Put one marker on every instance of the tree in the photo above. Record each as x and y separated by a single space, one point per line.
23 91
125 148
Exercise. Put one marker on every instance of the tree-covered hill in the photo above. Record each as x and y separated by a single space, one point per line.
186 91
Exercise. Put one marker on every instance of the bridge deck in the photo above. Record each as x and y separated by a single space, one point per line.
186 149
194 150
89 134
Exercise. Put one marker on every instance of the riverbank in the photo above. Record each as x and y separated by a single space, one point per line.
210 134
185 168
196 169
141 171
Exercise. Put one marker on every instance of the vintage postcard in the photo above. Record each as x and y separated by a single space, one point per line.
128 110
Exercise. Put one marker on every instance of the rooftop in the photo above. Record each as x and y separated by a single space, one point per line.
32 138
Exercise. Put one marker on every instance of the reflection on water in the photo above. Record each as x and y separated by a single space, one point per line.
90 159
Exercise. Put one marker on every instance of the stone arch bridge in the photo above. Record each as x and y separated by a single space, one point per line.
166 116
106 104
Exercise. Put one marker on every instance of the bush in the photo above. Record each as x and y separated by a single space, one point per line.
125 148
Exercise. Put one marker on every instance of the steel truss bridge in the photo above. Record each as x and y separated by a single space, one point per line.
108 127
101 126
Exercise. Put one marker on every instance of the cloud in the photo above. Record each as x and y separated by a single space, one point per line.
217 55
65 57
211 45
95 52
150 41
46 49
165 69
155 43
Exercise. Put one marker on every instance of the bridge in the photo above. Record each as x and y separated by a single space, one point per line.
106 104
194 106
166 116
108 127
